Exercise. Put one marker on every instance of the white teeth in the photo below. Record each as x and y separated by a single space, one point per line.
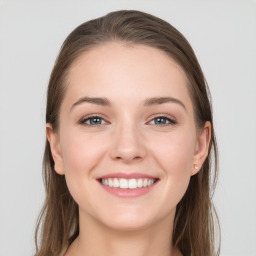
123 183
127 183
116 183
139 183
132 183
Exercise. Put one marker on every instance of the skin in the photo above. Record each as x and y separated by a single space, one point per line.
128 140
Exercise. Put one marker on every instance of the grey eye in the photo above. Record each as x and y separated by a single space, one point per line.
162 120
95 120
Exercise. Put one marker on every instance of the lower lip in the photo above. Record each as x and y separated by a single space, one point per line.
126 192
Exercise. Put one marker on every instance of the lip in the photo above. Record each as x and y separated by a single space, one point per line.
128 193
126 176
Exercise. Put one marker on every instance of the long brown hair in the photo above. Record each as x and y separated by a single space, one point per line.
195 219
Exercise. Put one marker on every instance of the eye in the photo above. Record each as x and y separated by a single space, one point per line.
162 120
93 121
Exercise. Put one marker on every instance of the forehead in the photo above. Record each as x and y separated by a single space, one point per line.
117 71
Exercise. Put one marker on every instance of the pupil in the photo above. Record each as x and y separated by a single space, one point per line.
160 120
95 120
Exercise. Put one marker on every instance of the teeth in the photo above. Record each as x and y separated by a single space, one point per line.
139 183
116 183
123 183
127 183
132 183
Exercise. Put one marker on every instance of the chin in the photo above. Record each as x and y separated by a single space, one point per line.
128 225
128 221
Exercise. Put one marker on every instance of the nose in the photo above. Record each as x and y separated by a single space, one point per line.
128 144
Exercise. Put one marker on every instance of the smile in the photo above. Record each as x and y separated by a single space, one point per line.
128 183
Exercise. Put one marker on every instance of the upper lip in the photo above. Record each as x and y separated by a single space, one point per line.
127 176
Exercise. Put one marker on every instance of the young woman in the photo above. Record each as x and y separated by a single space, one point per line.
130 139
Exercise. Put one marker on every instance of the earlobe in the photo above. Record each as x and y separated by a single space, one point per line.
202 147
54 142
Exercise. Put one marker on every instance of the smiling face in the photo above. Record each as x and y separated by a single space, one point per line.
127 117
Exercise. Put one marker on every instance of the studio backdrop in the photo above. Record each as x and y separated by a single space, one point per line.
223 35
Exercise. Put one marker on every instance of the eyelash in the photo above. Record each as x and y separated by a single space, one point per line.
82 122
168 119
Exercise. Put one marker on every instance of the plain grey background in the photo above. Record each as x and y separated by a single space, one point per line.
223 35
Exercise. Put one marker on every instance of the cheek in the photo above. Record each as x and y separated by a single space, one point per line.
80 152
174 154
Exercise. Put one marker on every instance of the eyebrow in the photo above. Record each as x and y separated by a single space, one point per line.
97 101
147 102
161 100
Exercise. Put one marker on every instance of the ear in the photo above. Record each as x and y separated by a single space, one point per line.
54 142
201 148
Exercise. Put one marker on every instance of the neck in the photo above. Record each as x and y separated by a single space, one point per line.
96 239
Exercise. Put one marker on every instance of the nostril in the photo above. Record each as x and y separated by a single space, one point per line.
127 158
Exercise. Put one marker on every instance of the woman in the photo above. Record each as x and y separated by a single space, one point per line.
129 144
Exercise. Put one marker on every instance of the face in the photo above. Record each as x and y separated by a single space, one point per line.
127 121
